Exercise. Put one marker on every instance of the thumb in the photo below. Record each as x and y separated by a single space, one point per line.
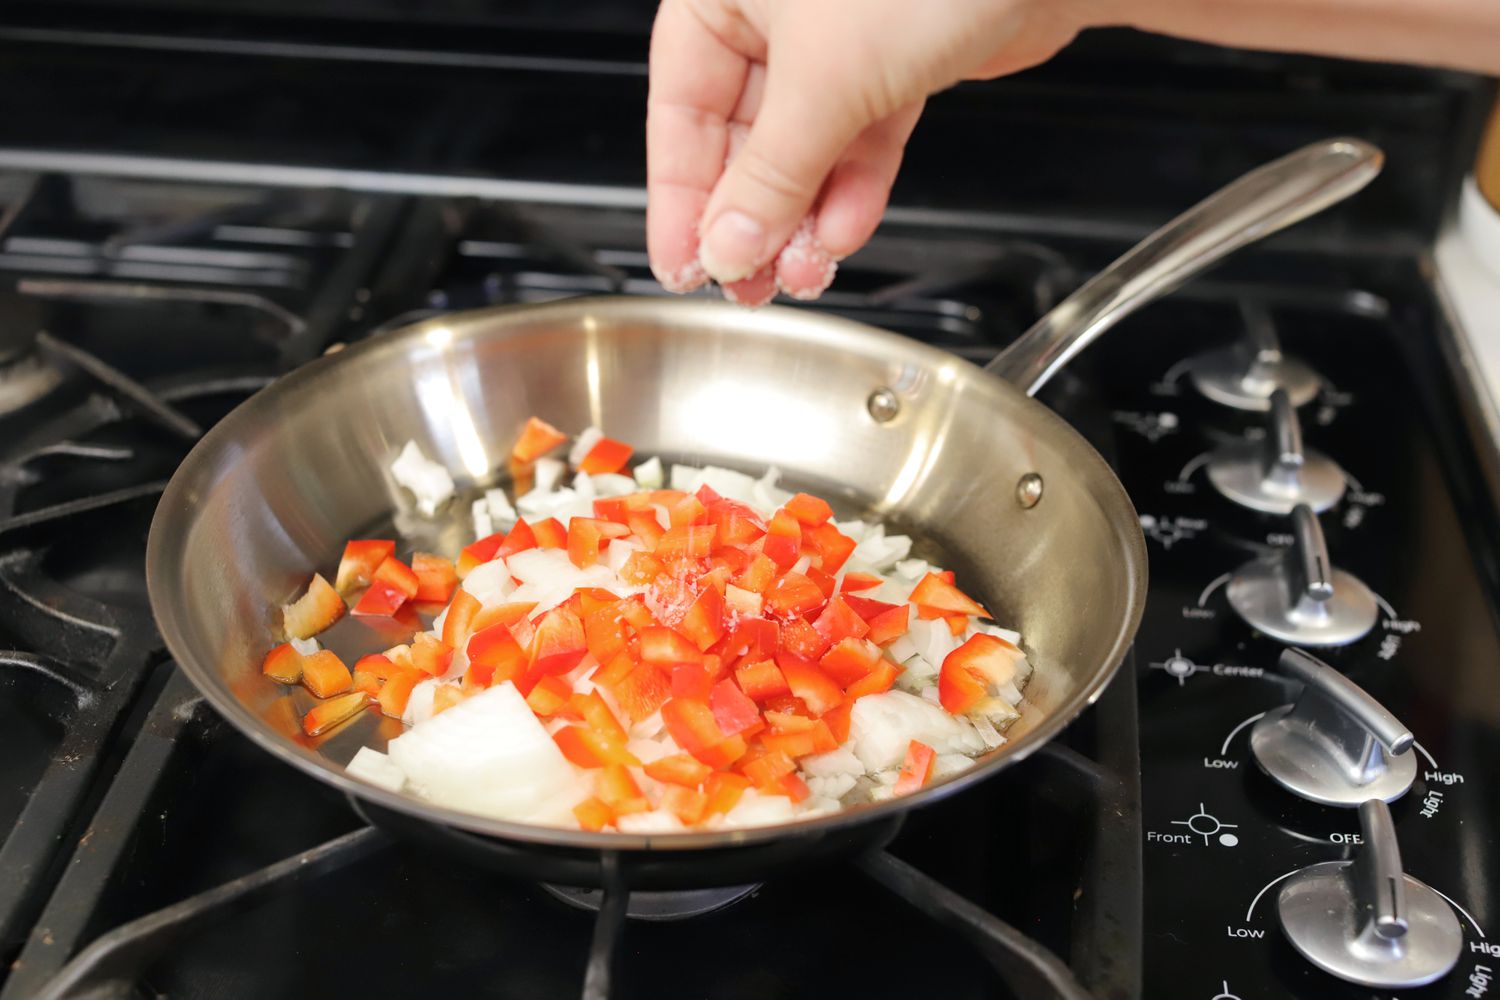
804 124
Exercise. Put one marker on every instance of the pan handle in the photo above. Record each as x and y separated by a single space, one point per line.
1263 201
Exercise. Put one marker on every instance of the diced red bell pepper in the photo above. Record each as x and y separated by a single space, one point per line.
592 814
641 569
758 574
330 713
537 438
686 512
587 536
314 611
691 680
687 804
761 680
324 674
838 621
809 683
691 723
957 624
888 626
790 722
757 637
550 534
559 644
767 770
283 664
935 593
618 790
430 655
458 621
497 649
644 526
679 769
436 578
605 632
361 558
704 621
396 692
478 552
798 637
593 599
569 740
817 738
838 719
916 769
642 691
605 457
832 546
366 682
850 660
549 696
964 679
733 711
783 541
667 648
810 510
724 790
794 788
688 541
877 681
393 584
825 581
592 709
793 596
857 582
737 524
512 614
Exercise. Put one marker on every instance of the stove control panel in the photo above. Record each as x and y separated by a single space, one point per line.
1314 808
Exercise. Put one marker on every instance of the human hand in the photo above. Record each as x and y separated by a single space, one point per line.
774 128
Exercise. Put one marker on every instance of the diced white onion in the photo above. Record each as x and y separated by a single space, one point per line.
427 480
489 583
375 767
612 484
882 726
583 486
479 511
487 755
501 512
306 647
649 474
546 474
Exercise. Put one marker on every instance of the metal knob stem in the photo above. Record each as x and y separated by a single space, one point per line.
1277 474
1366 921
1337 745
1299 597
1246 374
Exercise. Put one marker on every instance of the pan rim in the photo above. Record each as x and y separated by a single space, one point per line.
792 323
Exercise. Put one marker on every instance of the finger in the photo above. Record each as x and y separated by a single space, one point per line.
807 117
696 81
804 269
860 185
756 290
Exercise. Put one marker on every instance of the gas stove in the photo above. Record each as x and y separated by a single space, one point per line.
1167 847
152 849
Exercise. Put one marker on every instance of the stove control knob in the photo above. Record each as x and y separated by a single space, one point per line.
1336 746
1277 474
1298 597
1367 922
1245 374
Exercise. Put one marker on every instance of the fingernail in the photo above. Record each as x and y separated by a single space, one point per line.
732 247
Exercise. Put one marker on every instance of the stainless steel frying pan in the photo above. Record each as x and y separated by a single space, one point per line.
994 484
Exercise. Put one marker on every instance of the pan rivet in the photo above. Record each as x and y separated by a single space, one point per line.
1029 490
883 405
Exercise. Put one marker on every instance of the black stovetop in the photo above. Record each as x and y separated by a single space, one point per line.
144 839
